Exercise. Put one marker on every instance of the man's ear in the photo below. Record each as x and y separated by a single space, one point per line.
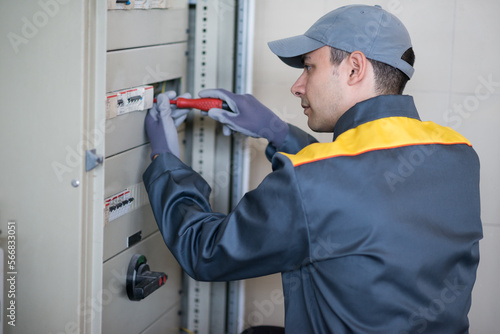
358 65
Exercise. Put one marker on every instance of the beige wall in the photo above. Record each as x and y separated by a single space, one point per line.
457 46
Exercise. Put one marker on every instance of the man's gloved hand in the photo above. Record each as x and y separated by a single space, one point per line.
248 116
161 123
179 115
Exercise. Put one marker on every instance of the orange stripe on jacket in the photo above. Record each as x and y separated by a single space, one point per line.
380 134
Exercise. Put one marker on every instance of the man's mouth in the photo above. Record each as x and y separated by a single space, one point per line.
306 108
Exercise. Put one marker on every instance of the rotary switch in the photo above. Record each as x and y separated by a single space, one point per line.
141 281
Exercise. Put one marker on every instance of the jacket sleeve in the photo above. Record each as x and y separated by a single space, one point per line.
295 141
266 233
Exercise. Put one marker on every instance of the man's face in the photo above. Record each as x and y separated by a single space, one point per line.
320 90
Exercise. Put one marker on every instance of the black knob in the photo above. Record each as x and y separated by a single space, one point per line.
141 281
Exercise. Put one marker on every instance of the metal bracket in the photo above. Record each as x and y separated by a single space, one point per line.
92 160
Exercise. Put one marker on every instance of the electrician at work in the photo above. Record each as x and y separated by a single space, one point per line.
374 232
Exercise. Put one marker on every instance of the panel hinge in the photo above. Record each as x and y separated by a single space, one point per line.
92 159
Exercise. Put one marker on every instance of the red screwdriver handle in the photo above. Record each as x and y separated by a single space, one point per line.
204 104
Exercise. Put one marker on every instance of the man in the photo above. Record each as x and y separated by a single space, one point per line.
375 232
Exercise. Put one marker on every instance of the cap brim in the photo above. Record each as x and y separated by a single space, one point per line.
291 49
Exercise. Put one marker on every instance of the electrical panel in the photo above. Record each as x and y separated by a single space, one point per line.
146 55
81 156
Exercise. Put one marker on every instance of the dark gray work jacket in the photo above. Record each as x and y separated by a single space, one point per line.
375 232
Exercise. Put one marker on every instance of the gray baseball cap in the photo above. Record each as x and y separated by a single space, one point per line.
377 33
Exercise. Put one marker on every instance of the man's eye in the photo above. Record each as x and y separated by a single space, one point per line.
307 68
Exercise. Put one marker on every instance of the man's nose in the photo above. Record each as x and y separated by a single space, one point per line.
298 88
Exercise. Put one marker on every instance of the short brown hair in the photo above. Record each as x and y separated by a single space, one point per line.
388 80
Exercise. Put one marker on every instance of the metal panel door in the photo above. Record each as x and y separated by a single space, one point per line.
52 87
